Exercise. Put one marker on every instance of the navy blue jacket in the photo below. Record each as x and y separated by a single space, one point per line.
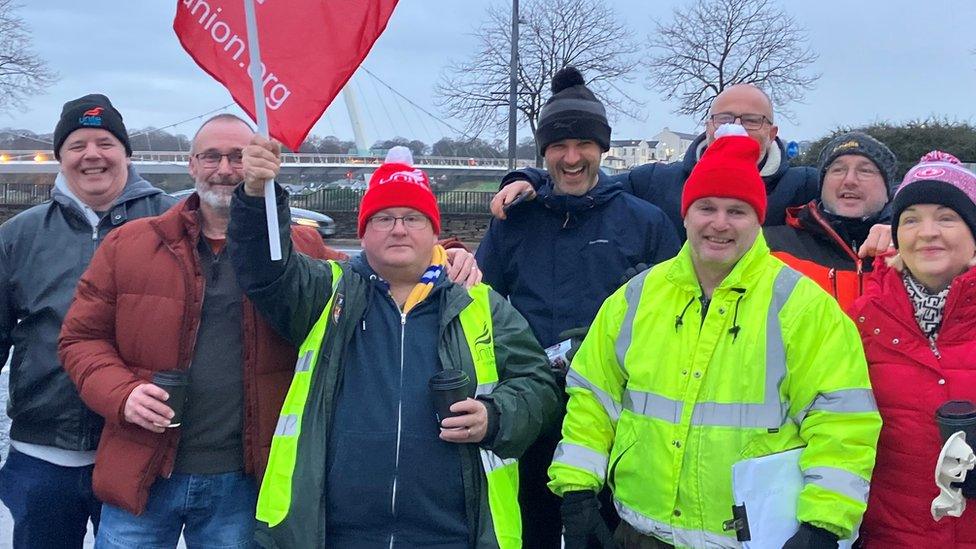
661 184
557 258
375 394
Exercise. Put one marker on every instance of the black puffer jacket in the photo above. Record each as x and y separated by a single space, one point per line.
43 252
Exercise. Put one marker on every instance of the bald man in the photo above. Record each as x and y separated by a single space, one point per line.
661 183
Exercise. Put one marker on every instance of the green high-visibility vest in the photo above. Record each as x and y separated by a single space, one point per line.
275 497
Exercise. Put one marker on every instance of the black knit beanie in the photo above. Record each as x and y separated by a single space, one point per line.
91 111
861 144
573 112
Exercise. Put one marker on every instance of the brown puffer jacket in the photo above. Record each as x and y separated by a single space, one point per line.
136 311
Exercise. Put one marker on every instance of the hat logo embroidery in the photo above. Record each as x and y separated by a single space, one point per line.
930 172
415 176
847 145
92 117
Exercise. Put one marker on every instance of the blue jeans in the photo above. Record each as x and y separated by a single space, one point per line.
210 510
50 504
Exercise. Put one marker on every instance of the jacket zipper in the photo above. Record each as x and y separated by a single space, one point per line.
935 349
396 463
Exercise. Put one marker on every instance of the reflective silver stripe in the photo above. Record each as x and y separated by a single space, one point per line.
490 461
304 362
574 379
771 413
582 457
485 388
838 480
676 536
652 405
287 426
844 401
632 295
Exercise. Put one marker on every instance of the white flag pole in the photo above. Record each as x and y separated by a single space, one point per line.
271 209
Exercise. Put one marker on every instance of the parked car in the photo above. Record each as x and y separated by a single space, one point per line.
322 223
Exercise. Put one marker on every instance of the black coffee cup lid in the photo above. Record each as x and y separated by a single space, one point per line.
449 379
171 377
957 409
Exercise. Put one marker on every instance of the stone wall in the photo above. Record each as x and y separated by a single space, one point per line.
6 212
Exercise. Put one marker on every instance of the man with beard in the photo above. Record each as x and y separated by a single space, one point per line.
46 480
827 239
558 258
161 296
661 183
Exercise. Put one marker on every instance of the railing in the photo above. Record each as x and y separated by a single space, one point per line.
183 157
324 200
347 200
24 194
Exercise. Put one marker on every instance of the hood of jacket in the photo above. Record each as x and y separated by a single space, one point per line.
135 187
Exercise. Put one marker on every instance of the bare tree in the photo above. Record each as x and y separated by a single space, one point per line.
552 35
23 73
717 43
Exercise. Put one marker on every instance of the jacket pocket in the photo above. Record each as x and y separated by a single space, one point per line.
127 462
623 444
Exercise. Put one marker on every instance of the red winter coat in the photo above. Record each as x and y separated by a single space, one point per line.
136 311
911 380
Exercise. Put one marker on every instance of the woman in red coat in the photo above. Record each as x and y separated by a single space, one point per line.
918 322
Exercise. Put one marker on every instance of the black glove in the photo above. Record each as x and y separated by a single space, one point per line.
811 537
631 272
576 337
580 512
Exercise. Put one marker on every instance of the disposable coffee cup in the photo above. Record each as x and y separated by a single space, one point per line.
957 415
173 382
446 388
954 416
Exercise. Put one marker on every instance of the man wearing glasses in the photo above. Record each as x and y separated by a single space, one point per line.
359 458
661 184
828 239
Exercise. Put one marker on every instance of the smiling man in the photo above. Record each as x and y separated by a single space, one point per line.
661 183
46 480
359 459
718 354
561 255
825 239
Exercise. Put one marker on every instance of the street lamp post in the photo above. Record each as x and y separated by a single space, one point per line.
513 89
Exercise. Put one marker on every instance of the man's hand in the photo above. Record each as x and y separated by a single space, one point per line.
262 162
145 407
469 427
877 242
508 194
462 267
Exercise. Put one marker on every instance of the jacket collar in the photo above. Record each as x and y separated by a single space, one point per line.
602 192
743 274
180 222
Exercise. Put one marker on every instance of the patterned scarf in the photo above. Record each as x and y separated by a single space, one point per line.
928 306
427 281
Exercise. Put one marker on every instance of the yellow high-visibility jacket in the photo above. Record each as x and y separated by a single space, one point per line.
664 400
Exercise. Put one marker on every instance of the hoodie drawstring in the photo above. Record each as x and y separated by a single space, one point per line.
369 299
734 330
678 320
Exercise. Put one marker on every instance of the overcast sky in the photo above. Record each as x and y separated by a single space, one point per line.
880 60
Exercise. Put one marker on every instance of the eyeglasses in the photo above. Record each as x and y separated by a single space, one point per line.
749 121
211 159
861 173
387 222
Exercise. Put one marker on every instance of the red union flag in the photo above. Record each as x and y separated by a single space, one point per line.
309 50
